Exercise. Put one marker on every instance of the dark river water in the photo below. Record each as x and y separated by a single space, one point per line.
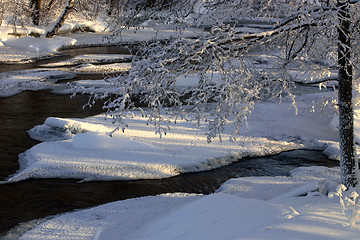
38 198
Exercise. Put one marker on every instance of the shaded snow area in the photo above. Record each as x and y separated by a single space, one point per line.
114 220
294 207
18 81
87 87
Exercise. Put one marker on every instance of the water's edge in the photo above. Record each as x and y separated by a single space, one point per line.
39 198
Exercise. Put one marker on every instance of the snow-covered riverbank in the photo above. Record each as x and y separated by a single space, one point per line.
28 48
294 207
82 148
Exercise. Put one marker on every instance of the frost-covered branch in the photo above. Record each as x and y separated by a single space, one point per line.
228 76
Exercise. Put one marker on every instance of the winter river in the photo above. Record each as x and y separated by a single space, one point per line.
33 199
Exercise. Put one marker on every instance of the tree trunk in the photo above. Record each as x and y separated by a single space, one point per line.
36 6
61 19
112 5
348 161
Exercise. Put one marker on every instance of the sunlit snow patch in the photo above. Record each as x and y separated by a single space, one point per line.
115 220
91 58
138 153
40 44
264 188
105 142
103 68
225 216
55 129
230 214
102 58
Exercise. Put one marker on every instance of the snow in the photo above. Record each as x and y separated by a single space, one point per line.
211 217
27 48
14 82
295 207
114 220
75 126
104 142
98 86
40 44
90 58
88 149
86 86
16 55
286 207
104 68
281 207
137 153
17 81
9 31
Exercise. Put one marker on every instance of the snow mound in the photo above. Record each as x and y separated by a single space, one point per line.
316 173
103 68
15 82
40 44
110 221
105 142
57 129
75 126
138 153
217 216
224 216
228 214
91 58
103 58
263 188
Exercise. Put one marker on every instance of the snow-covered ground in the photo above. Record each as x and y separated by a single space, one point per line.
90 59
28 48
294 207
82 148
105 68
17 81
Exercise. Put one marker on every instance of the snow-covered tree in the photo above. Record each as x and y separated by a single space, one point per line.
44 12
60 21
314 36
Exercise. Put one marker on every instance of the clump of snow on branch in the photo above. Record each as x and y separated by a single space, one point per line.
230 77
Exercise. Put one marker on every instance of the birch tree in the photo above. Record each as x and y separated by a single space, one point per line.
312 35
60 21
